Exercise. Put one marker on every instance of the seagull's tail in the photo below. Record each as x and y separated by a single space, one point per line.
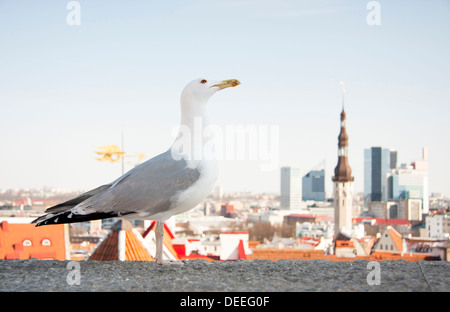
70 217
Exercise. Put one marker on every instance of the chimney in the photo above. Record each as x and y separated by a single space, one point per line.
122 226
121 245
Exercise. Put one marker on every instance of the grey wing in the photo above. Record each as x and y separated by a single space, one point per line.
148 187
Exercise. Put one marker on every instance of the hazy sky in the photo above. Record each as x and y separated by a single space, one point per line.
65 90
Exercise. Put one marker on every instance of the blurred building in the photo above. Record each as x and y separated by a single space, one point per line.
227 246
438 226
234 245
25 241
405 209
218 193
313 185
227 211
124 242
385 181
290 188
377 162
410 182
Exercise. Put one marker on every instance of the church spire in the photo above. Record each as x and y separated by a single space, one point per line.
343 172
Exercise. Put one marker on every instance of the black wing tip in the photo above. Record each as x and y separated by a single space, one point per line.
38 221
70 217
44 220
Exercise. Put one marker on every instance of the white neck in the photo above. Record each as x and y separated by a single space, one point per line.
194 119
191 113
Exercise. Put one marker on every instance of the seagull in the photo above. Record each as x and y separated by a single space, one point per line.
165 185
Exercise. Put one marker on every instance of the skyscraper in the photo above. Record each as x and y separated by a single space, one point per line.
291 188
377 162
410 182
343 184
313 185
393 159
384 180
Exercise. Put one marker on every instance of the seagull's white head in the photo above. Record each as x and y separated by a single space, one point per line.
194 119
198 91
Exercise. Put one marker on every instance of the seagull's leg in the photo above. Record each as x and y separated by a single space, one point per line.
159 231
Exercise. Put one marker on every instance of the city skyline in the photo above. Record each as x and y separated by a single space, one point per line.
67 89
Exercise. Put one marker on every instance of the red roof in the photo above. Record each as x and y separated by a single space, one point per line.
180 249
396 238
302 215
383 221
342 243
134 250
299 254
202 257
108 250
310 216
309 240
241 250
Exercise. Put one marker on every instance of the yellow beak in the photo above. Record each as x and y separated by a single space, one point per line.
227 83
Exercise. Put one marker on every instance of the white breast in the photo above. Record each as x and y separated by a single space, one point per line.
192 196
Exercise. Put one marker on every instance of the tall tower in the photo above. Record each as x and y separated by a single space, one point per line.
291 188
343 183
377 163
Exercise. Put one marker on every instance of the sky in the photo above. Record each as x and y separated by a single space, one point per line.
67 89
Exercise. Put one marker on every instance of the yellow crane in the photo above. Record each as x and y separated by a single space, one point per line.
113 153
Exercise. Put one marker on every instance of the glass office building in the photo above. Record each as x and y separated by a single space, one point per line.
377 163
313 185
290 188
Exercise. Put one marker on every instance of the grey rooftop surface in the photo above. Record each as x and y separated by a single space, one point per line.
232 276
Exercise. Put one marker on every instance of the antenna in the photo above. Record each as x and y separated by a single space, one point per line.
343 94
123 151
320 165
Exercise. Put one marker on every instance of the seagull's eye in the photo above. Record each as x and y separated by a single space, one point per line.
203 81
